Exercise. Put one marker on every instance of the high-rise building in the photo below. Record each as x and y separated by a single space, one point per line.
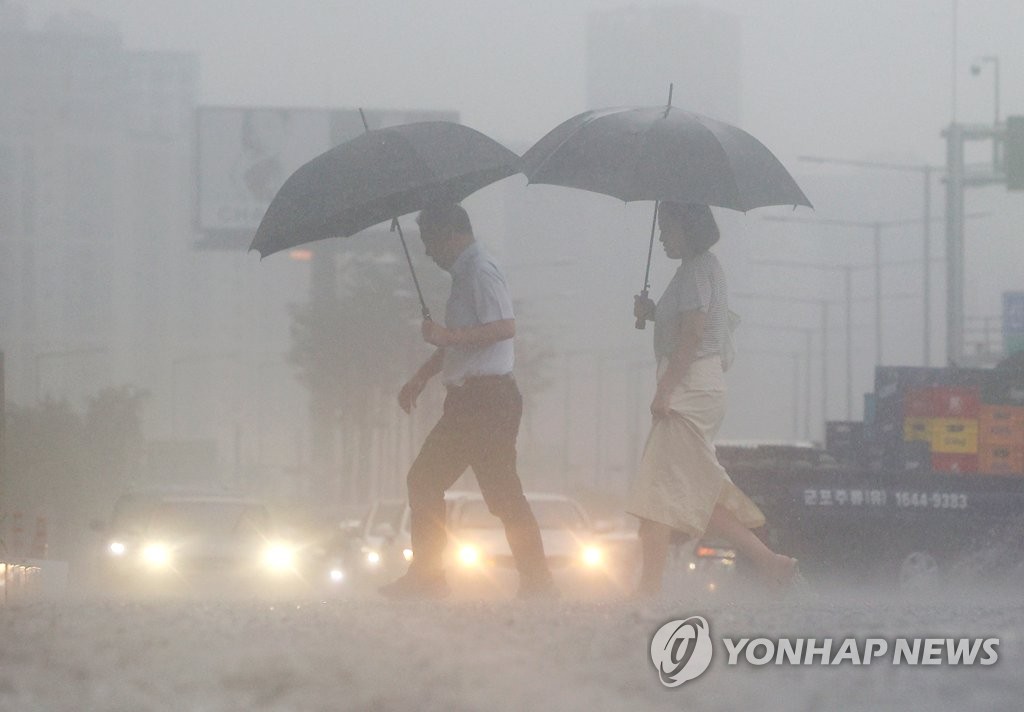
633 54
95 204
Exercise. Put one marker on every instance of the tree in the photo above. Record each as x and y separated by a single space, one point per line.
354 352
68 467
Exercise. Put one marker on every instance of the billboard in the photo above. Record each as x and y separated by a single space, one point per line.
1013 322
244 154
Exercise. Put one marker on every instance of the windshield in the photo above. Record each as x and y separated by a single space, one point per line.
550 514
209 519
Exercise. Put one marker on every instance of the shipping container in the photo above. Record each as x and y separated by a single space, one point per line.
1004 387
844 440
955 436
1001 460
956 401
954 462
918 429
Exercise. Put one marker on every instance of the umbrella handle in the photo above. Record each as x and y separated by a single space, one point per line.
641 323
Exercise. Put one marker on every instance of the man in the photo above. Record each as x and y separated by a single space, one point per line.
481 413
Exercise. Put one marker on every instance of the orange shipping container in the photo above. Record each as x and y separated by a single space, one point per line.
1001 460
1001 425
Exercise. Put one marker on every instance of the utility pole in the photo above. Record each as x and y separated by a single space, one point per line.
794 357
808 333
876 227
823 305
847 271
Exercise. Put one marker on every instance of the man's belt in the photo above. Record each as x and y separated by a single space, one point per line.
487 380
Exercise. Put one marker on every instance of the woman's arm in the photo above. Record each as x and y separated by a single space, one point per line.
690 333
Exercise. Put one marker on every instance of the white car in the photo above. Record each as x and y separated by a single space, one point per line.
581 557
585 558
172 543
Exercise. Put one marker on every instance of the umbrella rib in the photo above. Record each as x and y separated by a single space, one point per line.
725 156
551 154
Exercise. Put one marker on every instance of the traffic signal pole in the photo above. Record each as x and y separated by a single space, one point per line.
954 243
957 179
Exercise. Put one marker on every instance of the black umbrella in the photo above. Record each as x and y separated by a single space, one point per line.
661 153
378 176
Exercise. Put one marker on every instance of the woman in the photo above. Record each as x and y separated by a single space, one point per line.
680 484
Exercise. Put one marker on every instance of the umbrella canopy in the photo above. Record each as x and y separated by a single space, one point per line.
377 176
662 153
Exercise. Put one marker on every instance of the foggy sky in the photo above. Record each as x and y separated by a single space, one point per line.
862 79
859 78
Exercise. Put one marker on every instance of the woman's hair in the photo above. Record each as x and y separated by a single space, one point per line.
445 216
698 223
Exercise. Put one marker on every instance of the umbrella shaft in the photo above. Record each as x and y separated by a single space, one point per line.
401 236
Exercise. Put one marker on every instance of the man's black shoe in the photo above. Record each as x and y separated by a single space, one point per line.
413 585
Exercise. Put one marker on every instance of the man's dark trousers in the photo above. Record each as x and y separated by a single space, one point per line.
478 429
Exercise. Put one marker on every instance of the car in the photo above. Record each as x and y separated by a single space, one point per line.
707 564
585 558
160 543
478 554
385 549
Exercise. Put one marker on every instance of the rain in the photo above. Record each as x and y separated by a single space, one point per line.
227 330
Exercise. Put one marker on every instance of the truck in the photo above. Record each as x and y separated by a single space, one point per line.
929 485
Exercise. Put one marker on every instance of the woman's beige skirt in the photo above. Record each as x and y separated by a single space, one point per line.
680 480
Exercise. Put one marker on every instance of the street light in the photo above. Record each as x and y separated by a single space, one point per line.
876 226
795 357
808 333
848 291
926 172
847 271
976 68
823 304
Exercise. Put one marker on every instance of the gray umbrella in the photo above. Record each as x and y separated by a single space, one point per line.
661 153
378 176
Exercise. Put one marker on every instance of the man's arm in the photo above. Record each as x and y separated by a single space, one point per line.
412 389
481 335
692 330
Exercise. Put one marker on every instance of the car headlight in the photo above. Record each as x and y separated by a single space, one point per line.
407 554
592 556
372 557
469 555
278 557
117 548
336 575
156 555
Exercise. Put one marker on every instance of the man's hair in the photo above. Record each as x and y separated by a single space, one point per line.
445 216
698 223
